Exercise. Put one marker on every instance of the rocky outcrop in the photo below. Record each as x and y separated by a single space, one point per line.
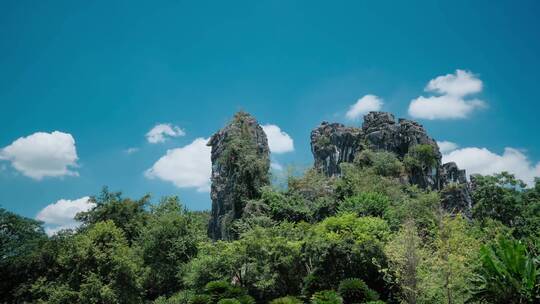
333 143
381 132
240 163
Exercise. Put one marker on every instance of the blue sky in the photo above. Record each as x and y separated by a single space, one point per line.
107 72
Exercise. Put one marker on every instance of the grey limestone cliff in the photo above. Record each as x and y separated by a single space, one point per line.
240 163
334 143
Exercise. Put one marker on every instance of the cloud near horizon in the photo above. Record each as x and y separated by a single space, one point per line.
42 155
364 105
278 141
161 132
185 167
452 102
485 162
61 215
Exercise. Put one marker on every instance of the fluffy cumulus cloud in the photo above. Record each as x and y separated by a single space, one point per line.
278 141
446 146
453 101
483 161
185 167
160 132
42 155
364 105
61 215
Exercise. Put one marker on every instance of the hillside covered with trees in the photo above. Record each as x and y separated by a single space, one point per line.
382 222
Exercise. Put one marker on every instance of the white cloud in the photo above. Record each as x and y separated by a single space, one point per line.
131 150
42 154
460 84
61 215
278 141
160 132
364 105
274 165
186 167
451 104
446 146
483 161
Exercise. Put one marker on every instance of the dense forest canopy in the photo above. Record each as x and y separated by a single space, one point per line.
377 230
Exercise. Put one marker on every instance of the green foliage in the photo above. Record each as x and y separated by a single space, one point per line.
326 297
182 297
420 206
420 157
497 197
20 237
97 266
266 261
366 204
283 207
356 291
345 246
303 241
246 299
228 301
382 163
200 299
356 180
166 243
450 262
405 257
508 274
286 300
128 215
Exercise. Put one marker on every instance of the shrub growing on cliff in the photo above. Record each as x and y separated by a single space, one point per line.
381 162
420 157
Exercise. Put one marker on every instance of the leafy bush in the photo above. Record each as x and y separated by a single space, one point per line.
366 204
356 291
508 274
228 301
286 300
326 297
200 299
246 299
219 290
382 162
182 297
420 157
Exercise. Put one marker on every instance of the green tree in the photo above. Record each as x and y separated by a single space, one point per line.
356 291
166 243
127 214
345 246
448 268
97 266
381 162
366 204
20 237
405 257
326 297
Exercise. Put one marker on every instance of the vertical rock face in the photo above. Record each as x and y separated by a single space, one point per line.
240 163
333 143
